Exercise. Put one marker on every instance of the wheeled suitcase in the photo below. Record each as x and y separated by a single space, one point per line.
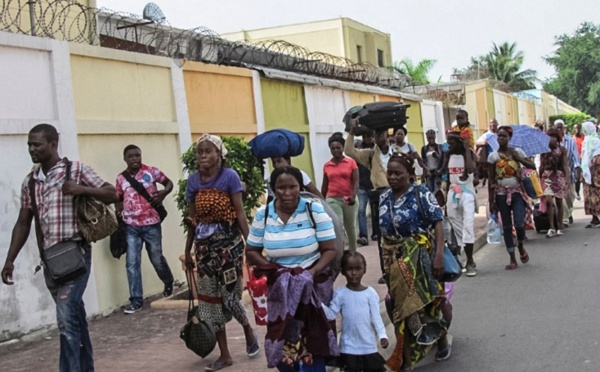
541 221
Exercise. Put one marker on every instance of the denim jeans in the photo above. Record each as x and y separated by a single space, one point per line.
517 207
363 201
152 236
76 354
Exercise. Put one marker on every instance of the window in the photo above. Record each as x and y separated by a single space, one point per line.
380 57
358 53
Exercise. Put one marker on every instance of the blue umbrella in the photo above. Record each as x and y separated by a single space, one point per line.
531 140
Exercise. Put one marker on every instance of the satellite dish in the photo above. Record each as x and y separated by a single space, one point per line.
153 13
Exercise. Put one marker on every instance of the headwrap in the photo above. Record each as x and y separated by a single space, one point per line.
590 149
215 140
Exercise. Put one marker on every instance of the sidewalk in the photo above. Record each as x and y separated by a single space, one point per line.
149 340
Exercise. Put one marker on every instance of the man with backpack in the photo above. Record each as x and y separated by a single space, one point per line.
142 211
48 192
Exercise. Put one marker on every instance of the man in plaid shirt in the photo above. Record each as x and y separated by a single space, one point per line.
54 199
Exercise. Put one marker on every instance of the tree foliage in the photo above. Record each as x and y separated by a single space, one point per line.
240 159
570 119
503 63
417 72
577 64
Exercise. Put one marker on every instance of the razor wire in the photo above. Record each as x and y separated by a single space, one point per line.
74 22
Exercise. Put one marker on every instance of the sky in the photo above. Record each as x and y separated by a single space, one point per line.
448 31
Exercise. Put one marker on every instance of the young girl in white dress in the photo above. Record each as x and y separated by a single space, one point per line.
359 306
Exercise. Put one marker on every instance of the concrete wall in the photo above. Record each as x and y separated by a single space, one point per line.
100 100
124 98
36 87
220 100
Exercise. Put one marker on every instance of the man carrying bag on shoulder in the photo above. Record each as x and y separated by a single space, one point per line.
142 211
47 194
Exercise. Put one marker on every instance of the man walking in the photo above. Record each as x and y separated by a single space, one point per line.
574 167
140 204
376 160
364 188
58 223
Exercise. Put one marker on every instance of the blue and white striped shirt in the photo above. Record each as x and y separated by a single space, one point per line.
295 243
572 156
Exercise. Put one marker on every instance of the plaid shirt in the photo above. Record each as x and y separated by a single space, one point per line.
57 211
572 156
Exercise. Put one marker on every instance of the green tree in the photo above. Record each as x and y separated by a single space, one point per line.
503 63
577 64
418 73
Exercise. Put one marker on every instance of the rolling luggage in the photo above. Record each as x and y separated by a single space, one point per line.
541 221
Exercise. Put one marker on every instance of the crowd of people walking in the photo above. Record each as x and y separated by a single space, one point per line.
292 240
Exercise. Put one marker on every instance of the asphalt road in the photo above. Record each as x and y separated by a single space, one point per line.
544 316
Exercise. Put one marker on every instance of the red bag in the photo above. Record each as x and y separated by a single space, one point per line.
257 288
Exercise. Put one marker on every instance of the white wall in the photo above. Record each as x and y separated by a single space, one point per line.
325 108
36 88
433 118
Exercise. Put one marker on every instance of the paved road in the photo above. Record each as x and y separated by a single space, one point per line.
540 317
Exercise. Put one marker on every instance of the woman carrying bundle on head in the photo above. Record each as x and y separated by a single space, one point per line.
216 225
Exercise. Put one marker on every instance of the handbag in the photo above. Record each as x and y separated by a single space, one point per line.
162 211
118 240
198 335
257 288
531 183
452 265
63 261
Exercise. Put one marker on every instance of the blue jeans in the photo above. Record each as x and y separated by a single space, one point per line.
363 201
76 354
515 212
152 236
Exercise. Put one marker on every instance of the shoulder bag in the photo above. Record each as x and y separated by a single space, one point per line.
198 335
162 211
63 261
452 265
95 219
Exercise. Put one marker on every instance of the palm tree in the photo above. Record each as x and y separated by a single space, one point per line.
417 73
504 63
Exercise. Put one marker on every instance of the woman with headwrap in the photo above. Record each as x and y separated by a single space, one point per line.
408 213
590 166
216 224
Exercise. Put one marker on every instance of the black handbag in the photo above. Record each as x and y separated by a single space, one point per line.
63 261
162 211
452 265
198 334
118 240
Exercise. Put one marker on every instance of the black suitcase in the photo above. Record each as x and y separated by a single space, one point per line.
383 115
541 221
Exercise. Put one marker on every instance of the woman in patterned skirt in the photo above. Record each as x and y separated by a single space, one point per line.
216 226
554 168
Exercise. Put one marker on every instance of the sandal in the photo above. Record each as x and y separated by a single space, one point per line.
524 257
253 348
511 266
217 366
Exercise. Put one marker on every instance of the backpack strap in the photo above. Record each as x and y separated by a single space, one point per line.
308 208
371 154
139 188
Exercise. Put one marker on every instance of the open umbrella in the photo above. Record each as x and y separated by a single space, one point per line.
531 140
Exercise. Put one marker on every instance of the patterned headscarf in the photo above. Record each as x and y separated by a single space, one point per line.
215 140
590 149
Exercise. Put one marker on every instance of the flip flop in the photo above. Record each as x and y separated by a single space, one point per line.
511 266
524 257
216 366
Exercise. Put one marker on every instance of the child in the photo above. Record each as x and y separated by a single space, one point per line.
359 306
